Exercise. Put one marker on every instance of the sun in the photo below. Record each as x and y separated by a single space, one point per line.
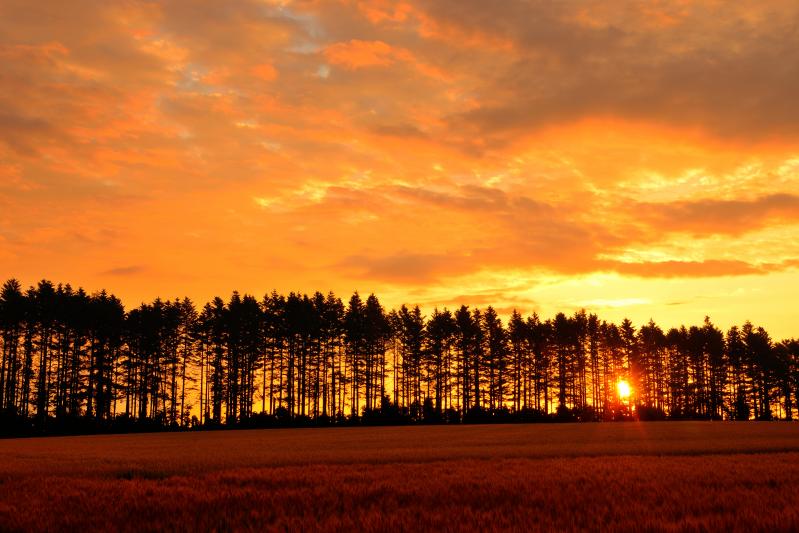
624 389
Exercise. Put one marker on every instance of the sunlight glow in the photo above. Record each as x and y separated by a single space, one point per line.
624 389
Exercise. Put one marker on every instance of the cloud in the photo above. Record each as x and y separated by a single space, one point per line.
709 268
728 73
516 232
357 54
696 269
124 271
407 267
726 217
452 148
23 134
264 71
405 130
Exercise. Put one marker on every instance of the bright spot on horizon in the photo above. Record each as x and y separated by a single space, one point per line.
624 389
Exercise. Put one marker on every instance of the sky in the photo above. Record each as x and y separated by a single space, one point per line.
636 159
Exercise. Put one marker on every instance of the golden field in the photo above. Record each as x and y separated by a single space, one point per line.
640 476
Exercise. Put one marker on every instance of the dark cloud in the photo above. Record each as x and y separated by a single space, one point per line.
229 32
731 71
408 267
473 198
24 134
406 130
725 217
131 270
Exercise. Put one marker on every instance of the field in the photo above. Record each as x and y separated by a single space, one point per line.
639 476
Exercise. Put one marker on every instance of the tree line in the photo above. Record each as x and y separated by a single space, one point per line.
72 360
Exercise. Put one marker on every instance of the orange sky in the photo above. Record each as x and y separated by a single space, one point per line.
637 159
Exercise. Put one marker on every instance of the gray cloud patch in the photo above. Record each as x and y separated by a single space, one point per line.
709 216
733 72
124 271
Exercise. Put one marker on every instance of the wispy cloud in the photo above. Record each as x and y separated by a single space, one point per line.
123 271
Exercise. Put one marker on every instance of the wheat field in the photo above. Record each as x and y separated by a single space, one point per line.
676 476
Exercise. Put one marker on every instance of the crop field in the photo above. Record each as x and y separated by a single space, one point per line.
624 476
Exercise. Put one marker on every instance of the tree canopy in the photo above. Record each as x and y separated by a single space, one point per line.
73 361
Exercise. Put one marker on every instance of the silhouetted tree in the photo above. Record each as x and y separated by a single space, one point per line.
67 355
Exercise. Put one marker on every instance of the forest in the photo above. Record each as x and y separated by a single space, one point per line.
76 362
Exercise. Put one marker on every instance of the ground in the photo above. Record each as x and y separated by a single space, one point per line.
611 476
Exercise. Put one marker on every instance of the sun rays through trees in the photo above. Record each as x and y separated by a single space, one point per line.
73 361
